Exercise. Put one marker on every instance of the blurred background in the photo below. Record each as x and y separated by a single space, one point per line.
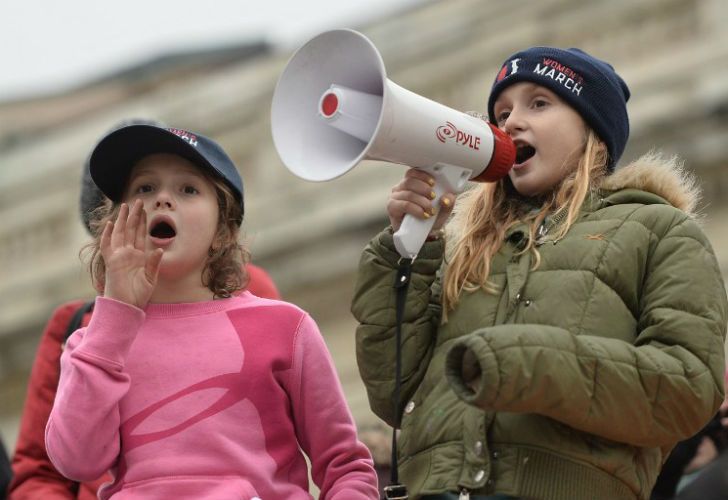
71 70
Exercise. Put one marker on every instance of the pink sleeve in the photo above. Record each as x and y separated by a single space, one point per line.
342 467
82 434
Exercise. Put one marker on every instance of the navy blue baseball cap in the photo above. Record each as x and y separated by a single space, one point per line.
116 154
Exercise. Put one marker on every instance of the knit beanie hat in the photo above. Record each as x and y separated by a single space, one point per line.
589 85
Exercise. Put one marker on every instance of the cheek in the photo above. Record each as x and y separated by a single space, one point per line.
207 225
207 214
147 204
563 147
211 225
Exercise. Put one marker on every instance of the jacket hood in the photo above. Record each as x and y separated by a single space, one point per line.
664 177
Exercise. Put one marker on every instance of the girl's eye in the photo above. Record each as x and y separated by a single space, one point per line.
540 103
502 117
190 190
144 188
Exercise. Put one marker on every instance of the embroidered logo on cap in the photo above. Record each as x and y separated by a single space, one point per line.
183 134
561 73
508 69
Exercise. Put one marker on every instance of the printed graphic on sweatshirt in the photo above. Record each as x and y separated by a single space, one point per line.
253 332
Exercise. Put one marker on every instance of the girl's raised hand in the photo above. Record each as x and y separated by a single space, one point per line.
413 196
131 272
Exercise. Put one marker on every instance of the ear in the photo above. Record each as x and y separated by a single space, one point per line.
99 286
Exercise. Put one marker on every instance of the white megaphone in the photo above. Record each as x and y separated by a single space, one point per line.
333 107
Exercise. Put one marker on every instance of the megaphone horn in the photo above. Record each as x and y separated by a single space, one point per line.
333 107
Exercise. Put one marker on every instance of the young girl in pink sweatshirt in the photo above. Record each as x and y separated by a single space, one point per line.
180 385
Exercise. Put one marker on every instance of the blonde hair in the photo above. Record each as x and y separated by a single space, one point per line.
486 212
224 272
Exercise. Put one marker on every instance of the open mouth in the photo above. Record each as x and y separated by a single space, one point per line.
162 230
524 152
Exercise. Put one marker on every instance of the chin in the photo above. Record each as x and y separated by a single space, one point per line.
531 187
524 189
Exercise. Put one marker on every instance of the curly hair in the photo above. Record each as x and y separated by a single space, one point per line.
224 272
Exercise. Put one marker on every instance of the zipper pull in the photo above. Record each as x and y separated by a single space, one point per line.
464 494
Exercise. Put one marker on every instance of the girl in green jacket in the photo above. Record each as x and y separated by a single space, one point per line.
571 330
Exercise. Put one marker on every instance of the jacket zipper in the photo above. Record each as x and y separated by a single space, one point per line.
547 225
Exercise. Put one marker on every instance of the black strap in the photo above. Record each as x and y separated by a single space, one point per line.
77 318
396 490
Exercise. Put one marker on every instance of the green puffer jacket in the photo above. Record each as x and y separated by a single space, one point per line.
593 365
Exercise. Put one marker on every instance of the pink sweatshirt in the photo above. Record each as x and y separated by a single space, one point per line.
205 400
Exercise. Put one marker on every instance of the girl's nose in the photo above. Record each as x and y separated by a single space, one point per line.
514 122
164 200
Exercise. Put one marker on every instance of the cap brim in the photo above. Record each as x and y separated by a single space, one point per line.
116 154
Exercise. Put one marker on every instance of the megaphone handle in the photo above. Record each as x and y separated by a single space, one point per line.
413 232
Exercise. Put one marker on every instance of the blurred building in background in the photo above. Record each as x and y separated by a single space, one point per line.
672 53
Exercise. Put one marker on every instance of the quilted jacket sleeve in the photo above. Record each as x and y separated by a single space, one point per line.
374 308
658 390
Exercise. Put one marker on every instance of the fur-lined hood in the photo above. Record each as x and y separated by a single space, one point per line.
665 177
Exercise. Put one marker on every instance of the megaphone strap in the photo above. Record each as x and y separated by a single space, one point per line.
396 490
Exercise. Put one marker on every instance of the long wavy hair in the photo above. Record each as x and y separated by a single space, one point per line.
484 213
224 272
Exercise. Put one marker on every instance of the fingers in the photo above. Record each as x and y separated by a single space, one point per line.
118 233
130 226
106 237
418 182
132 223
409 202
447 202
414 195
152 266
141 232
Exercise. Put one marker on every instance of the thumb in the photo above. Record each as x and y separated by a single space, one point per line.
447 201
152 267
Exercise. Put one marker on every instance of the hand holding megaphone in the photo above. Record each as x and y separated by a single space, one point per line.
415 195
333 107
